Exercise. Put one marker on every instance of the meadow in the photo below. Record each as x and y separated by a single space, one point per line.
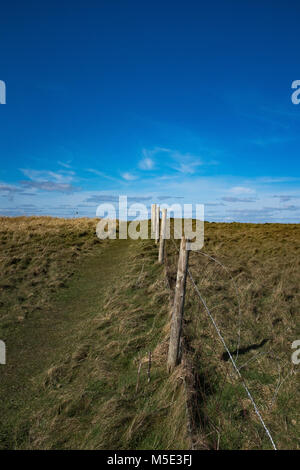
80 316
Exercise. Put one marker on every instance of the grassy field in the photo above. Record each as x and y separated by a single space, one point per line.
253 288
79 317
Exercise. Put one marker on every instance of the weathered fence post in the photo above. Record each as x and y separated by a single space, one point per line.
161 253
157 217
178 307
153 224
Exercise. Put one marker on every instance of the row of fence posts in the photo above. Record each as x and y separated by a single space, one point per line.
158 232
174 354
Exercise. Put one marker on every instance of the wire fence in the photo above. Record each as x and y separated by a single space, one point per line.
233 361
237 397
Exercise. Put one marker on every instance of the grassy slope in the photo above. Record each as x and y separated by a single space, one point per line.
78 315
265 265
74 353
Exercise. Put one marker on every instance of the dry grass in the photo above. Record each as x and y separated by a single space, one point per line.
264 262
38 255
98 406
108 307
79 316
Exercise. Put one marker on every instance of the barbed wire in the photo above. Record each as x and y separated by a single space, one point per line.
232 361
236 292
229 355
215 260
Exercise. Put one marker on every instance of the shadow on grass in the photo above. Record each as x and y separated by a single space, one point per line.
241 351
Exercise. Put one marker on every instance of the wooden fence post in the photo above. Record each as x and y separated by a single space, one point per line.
161 253
153 224
178 307
157 217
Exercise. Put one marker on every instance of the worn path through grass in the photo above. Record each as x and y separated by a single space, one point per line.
47 335
71 377
79 316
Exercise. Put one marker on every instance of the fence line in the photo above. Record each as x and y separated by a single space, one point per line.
232 361
178 307
175 321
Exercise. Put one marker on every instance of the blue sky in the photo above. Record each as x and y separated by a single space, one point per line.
163 101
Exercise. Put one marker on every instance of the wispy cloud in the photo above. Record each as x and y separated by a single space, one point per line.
148 160
47 180
65 164
187 168
277 179
265 211
9 190
185 162
286 197
238 199
102 174
169 177
214 204
51 186
163 198
241 190
62 176
146 164
129 176
150 153
99 198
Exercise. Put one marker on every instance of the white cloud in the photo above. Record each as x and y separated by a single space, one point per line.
186 162
238 199
62 176
241 190
66 200
149 153
146 164
187 168
64 164
103 175
286 197
10 188
50 186
128 176
279 179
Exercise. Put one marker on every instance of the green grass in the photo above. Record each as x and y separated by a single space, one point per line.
73 361
78 315
264 263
